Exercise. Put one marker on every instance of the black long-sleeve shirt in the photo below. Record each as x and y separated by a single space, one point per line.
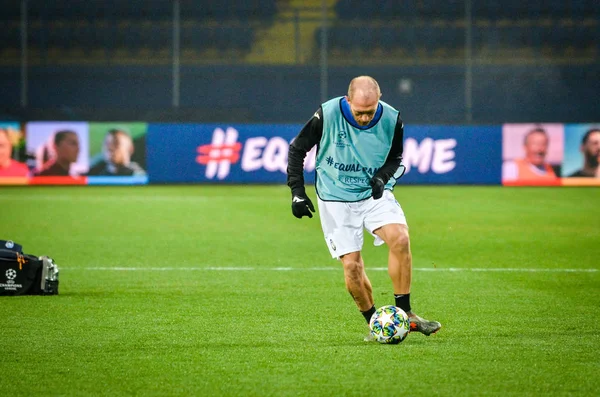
311 134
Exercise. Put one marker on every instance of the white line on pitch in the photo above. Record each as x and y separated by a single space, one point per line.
325 268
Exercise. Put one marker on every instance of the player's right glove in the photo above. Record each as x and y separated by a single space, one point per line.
301 205
377 186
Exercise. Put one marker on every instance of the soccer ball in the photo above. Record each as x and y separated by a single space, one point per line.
389 325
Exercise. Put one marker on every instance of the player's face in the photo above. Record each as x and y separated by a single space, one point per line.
591 149
536 148
68 149
118 148
5 149
363 108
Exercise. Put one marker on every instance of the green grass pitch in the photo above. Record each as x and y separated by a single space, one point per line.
220 291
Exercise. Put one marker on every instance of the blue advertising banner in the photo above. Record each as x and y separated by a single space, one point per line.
452 155
187 153
243 153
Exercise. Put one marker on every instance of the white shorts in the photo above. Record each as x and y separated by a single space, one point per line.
344 223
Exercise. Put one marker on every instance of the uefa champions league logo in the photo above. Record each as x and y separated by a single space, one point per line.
10 285
9 244
341 141
11 274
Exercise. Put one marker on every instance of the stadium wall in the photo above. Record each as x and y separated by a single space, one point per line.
167 153
425 94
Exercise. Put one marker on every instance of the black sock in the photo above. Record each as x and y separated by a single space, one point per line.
403 301
368 314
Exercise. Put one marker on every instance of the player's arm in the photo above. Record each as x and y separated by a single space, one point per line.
309 136
394 158
392 162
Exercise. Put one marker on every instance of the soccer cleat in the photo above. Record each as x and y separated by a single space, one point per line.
418 324
370 337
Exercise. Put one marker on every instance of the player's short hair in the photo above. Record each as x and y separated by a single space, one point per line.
60 136
535 130
587 135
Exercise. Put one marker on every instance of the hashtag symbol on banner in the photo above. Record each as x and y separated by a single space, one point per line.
223 151
329 160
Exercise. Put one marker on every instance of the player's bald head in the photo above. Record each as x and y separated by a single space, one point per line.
364 88
363 98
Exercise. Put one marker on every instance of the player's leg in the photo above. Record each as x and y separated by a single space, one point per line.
386 221
399 257
343 232
357 282
359 286
400 271
367 283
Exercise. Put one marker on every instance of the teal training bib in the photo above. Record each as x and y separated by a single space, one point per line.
349 157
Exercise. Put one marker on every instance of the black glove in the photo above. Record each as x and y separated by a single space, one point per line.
377 186
301 205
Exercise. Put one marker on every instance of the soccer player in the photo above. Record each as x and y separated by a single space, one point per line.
359 150
590 147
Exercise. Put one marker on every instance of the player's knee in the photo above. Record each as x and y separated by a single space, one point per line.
353 268
400 242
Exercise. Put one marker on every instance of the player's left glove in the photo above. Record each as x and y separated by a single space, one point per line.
377 187
302 206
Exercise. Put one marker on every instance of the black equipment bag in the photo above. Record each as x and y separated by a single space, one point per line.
23 274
